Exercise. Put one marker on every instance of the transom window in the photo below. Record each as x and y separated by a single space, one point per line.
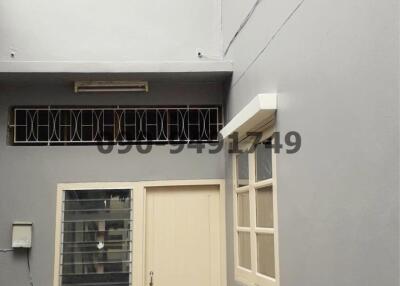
52 125
96 238
255 217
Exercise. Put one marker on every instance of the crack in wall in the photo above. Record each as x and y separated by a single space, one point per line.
242 25
265 47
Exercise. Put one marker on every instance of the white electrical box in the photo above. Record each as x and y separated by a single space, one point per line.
22 234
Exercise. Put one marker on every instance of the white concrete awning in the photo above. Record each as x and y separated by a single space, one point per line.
258 113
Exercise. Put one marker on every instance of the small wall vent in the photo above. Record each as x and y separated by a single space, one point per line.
111 86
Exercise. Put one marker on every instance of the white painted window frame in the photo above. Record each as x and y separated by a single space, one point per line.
138 195
251 276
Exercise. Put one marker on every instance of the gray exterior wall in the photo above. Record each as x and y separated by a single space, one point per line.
104 31
334 65
29 175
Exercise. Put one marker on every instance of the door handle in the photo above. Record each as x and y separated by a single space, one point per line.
151 278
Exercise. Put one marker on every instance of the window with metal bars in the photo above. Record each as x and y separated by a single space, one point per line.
96 238
52 125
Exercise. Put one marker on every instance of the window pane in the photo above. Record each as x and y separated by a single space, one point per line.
96 237
242 169
263 162
264 205
243 209
266 255
244 249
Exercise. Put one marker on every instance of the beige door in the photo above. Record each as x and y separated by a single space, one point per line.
183 236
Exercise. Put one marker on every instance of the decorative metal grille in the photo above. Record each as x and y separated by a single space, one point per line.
115 125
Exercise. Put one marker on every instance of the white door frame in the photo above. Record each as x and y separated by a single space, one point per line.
139 190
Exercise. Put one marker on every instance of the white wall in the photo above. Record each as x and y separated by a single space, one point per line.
335 68
104 30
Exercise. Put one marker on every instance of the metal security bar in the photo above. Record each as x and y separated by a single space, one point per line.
115 125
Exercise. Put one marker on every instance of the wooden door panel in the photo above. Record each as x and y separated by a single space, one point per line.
182 236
